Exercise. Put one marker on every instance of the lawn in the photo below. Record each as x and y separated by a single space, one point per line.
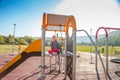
9 48
102 49
82 48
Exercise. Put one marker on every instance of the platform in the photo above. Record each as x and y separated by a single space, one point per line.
29 70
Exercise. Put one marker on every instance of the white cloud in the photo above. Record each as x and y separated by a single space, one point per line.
91 13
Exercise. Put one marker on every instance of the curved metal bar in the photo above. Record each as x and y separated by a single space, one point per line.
89 38
97 51
106 33
105 29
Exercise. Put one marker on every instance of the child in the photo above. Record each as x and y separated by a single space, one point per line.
55 47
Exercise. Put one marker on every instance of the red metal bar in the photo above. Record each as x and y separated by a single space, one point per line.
113 28
104 28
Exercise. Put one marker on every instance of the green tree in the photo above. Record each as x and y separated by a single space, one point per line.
10 39
29 39
2 40
22 41
17 41
112 40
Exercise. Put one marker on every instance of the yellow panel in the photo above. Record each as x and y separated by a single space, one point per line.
34 47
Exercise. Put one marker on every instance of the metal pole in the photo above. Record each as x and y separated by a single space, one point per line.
106 55
14 37
66 44
74 55
42 77
91 47
96 62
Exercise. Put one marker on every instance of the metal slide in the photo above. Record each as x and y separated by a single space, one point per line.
33 49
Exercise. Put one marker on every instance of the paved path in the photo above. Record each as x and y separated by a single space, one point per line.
29 70
87 71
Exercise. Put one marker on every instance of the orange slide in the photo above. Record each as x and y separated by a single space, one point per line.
33 49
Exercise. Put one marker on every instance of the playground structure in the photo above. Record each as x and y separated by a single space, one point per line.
60 23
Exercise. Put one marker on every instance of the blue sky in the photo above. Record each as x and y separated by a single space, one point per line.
27 14
118 1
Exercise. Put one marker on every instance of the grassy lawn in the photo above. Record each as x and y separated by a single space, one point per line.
9 48
82 48
102 49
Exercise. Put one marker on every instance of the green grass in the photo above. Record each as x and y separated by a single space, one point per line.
82 48
9 48
86 48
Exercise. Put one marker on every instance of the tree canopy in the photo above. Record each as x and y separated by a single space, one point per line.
113 40
17 40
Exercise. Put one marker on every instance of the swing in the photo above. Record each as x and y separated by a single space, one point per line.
116 54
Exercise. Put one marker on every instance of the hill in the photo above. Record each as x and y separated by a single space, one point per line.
85 39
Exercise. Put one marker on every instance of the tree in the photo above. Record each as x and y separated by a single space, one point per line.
2 40
17 41
22 41
29 39
113 40
10 39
